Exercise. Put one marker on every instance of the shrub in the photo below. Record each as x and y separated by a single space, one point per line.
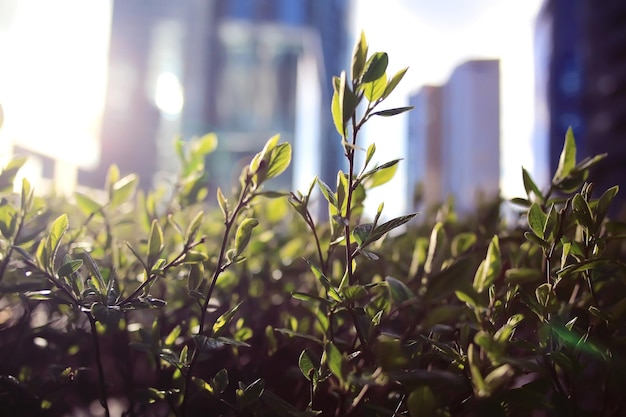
156 304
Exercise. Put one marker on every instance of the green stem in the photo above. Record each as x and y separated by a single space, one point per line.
219 268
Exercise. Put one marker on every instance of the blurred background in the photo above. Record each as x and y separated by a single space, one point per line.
495 85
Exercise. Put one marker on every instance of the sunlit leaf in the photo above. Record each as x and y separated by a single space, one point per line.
375 66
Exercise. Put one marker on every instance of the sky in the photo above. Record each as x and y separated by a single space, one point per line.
432 37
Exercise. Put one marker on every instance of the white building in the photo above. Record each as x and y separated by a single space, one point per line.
454 137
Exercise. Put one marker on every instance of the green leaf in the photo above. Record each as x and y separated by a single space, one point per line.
194 257
86 204
375 89
531 187
334 360
251 393
394 81
220 324
95 271
421 402
354 292
567 160
220 381
196 271
392 112
369 154
398 291
531 237
388 226
155 242
324 281
172 336
194 225
461 243
537 219
382 173
582 212
327 192
375 66
359 57
468 299
521 275
337 103
280 158
57 230
603 204
69 267
307 366
361 232
123 189
490 269
437 236
222 202
203 146
244 231
498 378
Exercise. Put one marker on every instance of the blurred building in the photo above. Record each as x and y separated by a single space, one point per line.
454 139
582 49
245 69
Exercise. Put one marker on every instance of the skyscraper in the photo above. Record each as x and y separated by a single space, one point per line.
586 83
245 69
457 131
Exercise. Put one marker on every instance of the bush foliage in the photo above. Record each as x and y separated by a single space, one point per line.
175 302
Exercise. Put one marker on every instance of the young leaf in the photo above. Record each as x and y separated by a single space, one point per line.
375 67
69 267
195 276
382 173
194 225
155 242
220 381
337 103
220 324
361 232
537 219
398 291
86 204
334 360
392 112
603 204
280 158
95 271
582 212
244 231
386 227
567 160
375 89
394 81
122 190
530 186
371 150
327 192
359 57
491 268
57 230
307 366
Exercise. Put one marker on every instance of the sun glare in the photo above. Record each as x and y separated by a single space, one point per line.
53 77
168 95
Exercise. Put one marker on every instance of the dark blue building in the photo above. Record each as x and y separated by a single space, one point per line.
586 86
